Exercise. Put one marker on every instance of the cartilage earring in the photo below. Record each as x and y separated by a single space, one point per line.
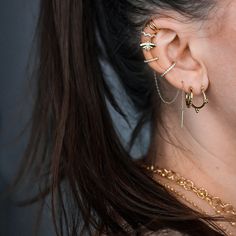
168 70
148 45
158 89
148 35
189 100
153 26
151 60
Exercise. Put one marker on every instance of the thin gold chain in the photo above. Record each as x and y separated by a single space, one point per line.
221 208
177 193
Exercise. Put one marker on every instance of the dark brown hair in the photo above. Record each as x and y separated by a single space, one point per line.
75 152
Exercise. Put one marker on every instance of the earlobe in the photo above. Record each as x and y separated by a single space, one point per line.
172 45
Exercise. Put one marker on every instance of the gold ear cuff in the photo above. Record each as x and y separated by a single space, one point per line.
152 26
151 60
148 45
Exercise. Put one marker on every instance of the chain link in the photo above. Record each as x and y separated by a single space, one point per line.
220 207
177 193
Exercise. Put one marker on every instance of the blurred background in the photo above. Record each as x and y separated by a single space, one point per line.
17 25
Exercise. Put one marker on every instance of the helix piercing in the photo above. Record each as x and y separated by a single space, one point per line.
168 69
153 26
148 45
148 34
151 60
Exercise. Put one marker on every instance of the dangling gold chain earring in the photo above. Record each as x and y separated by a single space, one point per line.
189 100
158 89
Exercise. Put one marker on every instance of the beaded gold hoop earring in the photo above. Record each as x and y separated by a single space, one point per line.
189 100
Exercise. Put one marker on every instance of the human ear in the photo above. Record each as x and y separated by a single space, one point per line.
175 42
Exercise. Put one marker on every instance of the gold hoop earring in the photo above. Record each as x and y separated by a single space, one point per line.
189 100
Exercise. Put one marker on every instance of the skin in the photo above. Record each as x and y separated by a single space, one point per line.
205 149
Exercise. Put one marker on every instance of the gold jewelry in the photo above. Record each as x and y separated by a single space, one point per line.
158 89
151 60
168 69
189 100
153 26
219 206
160 95
148 35
148 45
199 209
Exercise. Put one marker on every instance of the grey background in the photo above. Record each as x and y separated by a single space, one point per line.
17 24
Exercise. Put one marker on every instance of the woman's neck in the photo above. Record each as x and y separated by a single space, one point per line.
204 151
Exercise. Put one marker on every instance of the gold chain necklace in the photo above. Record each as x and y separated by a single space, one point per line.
177 193
220 207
